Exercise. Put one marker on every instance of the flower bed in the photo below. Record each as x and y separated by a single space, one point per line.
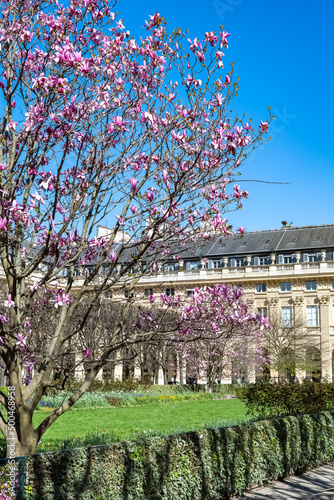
100 399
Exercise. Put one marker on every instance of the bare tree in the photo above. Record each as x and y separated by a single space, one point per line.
291 347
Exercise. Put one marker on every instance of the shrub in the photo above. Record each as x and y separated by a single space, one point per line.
267 400
210 464
114 401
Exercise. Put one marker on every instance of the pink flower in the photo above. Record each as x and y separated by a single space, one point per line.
9 303
3 224
11 126
264 126
133 183
154 266
164 174
88 353
62 300
227 79
3 166
241 230
134 209
112 256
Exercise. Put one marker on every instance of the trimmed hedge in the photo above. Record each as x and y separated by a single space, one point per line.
271 400
211 464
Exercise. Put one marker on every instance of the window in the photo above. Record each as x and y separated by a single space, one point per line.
193 265
333 284
311 285
261 288
262 311
241 262
287 259
171 267
287 316
314 257
170 292
286 286
148 292
127 294
312 316
108 294
264 261
190 292
214 264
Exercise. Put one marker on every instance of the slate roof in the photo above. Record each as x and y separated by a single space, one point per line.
283 240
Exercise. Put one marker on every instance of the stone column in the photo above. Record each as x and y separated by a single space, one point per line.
137 373
160 376
118 369
79 371
299 315
324 322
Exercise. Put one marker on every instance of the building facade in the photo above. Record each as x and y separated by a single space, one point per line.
287 273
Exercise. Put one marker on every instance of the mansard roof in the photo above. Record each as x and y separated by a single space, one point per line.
283 240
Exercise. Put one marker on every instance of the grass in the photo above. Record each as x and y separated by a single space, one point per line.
130 422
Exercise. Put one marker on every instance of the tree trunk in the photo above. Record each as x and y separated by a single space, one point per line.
27 447
25 438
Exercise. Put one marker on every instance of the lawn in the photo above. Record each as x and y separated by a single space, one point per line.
161 417
129 422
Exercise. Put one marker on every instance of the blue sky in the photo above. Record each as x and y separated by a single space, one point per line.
283 54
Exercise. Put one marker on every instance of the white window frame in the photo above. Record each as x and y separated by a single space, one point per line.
311 289
312 316
170 292
263 312
260 286
286 316
286 283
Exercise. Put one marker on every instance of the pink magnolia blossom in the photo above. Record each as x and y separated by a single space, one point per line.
133 184
9 303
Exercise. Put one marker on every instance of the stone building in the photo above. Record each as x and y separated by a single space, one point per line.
286 272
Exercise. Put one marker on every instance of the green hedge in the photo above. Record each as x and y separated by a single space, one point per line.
267 400
210 464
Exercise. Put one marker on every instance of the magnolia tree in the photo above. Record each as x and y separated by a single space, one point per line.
216 332
98 126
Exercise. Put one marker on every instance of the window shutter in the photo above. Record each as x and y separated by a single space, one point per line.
305 257
281 259
293 257
318 256
233 263
210 264
187 266
256 261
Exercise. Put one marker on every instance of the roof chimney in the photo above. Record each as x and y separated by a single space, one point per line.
284 223
290 225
